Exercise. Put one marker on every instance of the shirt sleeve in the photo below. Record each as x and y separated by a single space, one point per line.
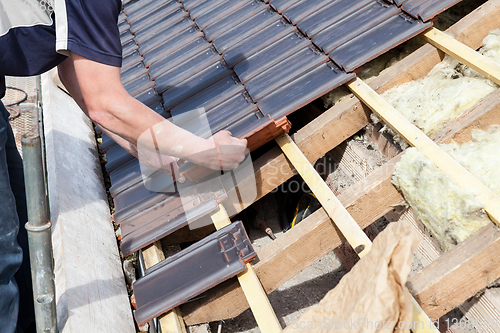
89 29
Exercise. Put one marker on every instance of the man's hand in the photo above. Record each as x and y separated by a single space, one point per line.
224 152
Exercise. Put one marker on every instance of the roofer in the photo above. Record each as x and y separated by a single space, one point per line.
82 39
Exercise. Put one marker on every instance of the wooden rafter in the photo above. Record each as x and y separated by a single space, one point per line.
251 286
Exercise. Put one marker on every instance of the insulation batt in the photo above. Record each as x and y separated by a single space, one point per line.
450 213
447 91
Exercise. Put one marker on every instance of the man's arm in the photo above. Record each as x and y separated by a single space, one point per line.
98 90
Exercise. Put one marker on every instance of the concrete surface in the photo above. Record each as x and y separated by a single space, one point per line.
90 287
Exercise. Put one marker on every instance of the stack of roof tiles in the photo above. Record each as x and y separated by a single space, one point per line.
249 63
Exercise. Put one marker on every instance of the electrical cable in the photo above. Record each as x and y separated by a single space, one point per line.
13 113
21 100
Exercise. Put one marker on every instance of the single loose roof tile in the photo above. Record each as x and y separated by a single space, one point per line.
188 273
427 9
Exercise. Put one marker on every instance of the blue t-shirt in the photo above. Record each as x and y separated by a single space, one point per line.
37 35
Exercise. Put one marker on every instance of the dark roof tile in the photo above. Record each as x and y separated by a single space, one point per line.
270 56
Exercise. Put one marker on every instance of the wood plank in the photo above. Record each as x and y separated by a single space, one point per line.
251 286
414 136
484 65
330 203
459 273
170 322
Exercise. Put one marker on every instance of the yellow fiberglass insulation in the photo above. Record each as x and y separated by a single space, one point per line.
450 213
449 89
